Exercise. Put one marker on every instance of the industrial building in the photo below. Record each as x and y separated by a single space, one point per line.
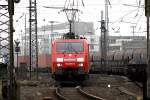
120 43
50 32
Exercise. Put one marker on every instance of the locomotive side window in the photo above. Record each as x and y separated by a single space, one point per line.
69 47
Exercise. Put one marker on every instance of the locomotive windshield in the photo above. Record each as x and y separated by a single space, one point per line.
69 47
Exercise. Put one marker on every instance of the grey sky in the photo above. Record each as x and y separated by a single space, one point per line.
121 17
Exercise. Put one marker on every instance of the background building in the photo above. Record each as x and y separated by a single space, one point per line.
93 42
48 33
120 43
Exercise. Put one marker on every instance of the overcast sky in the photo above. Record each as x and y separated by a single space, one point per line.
121 16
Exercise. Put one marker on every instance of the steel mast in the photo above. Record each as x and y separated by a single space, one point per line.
6 43
33 43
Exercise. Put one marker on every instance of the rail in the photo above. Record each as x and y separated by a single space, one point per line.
135 96
89 95
60 95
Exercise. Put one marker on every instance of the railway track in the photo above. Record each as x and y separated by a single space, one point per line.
132 95
120 89
75 93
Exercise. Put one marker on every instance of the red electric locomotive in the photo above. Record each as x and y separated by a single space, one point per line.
70 59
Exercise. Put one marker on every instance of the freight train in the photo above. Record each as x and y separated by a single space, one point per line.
70 59
130 63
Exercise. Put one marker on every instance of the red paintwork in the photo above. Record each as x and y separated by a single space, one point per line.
70 61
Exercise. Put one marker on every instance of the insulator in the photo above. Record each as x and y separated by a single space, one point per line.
16 1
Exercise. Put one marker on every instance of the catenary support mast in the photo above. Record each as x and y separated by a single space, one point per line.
147 89
33 37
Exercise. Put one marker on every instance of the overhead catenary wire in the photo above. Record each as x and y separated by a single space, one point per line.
139 18
78 5
120 18
137 4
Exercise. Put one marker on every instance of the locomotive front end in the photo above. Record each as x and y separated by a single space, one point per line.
70 60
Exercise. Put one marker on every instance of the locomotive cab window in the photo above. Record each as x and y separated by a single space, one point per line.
69 47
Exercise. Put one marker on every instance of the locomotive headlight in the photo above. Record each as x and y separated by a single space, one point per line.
59 59
80 59
81 65
1 60
58 65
